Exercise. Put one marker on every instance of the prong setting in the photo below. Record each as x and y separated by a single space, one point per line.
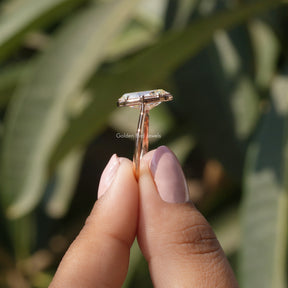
150 98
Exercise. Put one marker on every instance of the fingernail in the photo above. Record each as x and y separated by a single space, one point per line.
168 176
108 175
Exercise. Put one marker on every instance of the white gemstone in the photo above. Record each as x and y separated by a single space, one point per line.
151 98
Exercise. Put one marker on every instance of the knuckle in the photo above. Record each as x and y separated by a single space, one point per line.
196 239
107 234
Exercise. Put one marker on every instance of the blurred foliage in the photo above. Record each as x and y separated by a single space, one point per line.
64 64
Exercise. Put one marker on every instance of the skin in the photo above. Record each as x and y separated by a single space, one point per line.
176 240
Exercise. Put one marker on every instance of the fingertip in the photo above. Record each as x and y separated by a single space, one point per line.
167 174
148 156
110 171
108 175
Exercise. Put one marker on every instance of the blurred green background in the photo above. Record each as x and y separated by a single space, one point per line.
64 64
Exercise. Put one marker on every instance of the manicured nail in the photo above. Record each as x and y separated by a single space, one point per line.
108 175
168 176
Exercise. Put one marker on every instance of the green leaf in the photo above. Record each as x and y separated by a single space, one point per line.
149 69
228 230
265 203
236 55
36 117
267 51
9 80
22 234
66 179
27 15
182 146
136 36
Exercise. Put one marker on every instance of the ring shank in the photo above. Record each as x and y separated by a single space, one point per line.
142 139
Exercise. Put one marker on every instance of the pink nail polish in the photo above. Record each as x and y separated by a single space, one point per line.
168 176
108 175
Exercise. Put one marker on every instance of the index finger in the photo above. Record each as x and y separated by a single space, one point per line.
100 254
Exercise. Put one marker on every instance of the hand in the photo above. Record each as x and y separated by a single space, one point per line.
176 240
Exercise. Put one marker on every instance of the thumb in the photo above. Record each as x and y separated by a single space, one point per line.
177 241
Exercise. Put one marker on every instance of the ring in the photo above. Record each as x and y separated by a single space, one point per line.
145 101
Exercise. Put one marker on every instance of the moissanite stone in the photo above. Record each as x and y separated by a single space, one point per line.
150 98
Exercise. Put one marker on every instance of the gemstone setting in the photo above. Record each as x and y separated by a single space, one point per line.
150 98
